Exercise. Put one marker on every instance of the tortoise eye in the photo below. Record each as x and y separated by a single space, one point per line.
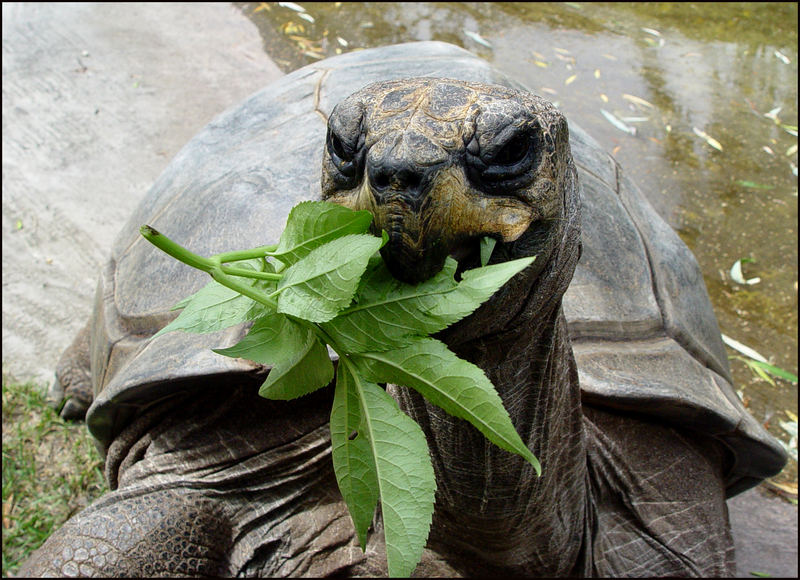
502 168
337 147
346 158
512 152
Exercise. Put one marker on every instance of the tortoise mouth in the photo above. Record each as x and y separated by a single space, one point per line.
416 267
467 253
411 267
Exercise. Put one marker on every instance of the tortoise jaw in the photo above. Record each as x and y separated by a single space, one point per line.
414 267
468 254
447 219
411 265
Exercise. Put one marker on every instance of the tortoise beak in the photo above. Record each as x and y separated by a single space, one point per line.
417 248
403 206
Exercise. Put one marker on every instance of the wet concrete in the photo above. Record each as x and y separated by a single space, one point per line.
96 101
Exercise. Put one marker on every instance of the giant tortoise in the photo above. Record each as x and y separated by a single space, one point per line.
605 351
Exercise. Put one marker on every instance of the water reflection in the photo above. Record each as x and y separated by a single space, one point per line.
711 90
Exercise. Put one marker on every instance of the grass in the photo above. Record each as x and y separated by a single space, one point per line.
51 470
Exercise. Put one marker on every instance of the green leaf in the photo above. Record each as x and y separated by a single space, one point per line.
487 247
271 339
319 286
760 372
313 223
476 287
389 314
457 386
305 371
771 369
753 184
353 461
215 307
406 482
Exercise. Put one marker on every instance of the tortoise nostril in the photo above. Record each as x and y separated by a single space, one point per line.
400 178
411 180
380 180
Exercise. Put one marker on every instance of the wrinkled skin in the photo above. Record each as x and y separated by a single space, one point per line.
440 164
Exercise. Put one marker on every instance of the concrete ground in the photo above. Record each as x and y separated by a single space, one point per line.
97 98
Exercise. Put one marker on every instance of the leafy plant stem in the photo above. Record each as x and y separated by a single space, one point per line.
175 250
210 266
239 255
250 273
335 291
243 289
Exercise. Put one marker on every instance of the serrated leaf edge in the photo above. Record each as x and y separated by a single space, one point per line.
477 421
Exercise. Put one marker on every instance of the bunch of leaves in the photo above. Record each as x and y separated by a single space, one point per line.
325 283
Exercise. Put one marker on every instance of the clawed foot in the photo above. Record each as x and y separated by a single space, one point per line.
72 389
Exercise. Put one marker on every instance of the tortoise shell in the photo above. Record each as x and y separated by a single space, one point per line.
644 334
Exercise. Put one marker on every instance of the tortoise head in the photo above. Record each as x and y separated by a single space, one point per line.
441 163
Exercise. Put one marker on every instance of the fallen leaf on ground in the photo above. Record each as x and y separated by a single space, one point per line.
707 138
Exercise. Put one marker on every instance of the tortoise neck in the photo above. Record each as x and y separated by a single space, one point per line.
490 504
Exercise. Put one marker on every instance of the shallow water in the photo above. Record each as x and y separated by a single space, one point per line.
711 91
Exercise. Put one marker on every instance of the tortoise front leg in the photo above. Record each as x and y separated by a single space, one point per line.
659 498
217 482
165 533
73 379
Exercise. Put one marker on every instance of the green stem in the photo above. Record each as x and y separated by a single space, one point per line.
275 294
250 273
177 251
209 265
243 289
239 255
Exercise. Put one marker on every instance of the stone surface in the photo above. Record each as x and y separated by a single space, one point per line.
97 98
764 533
